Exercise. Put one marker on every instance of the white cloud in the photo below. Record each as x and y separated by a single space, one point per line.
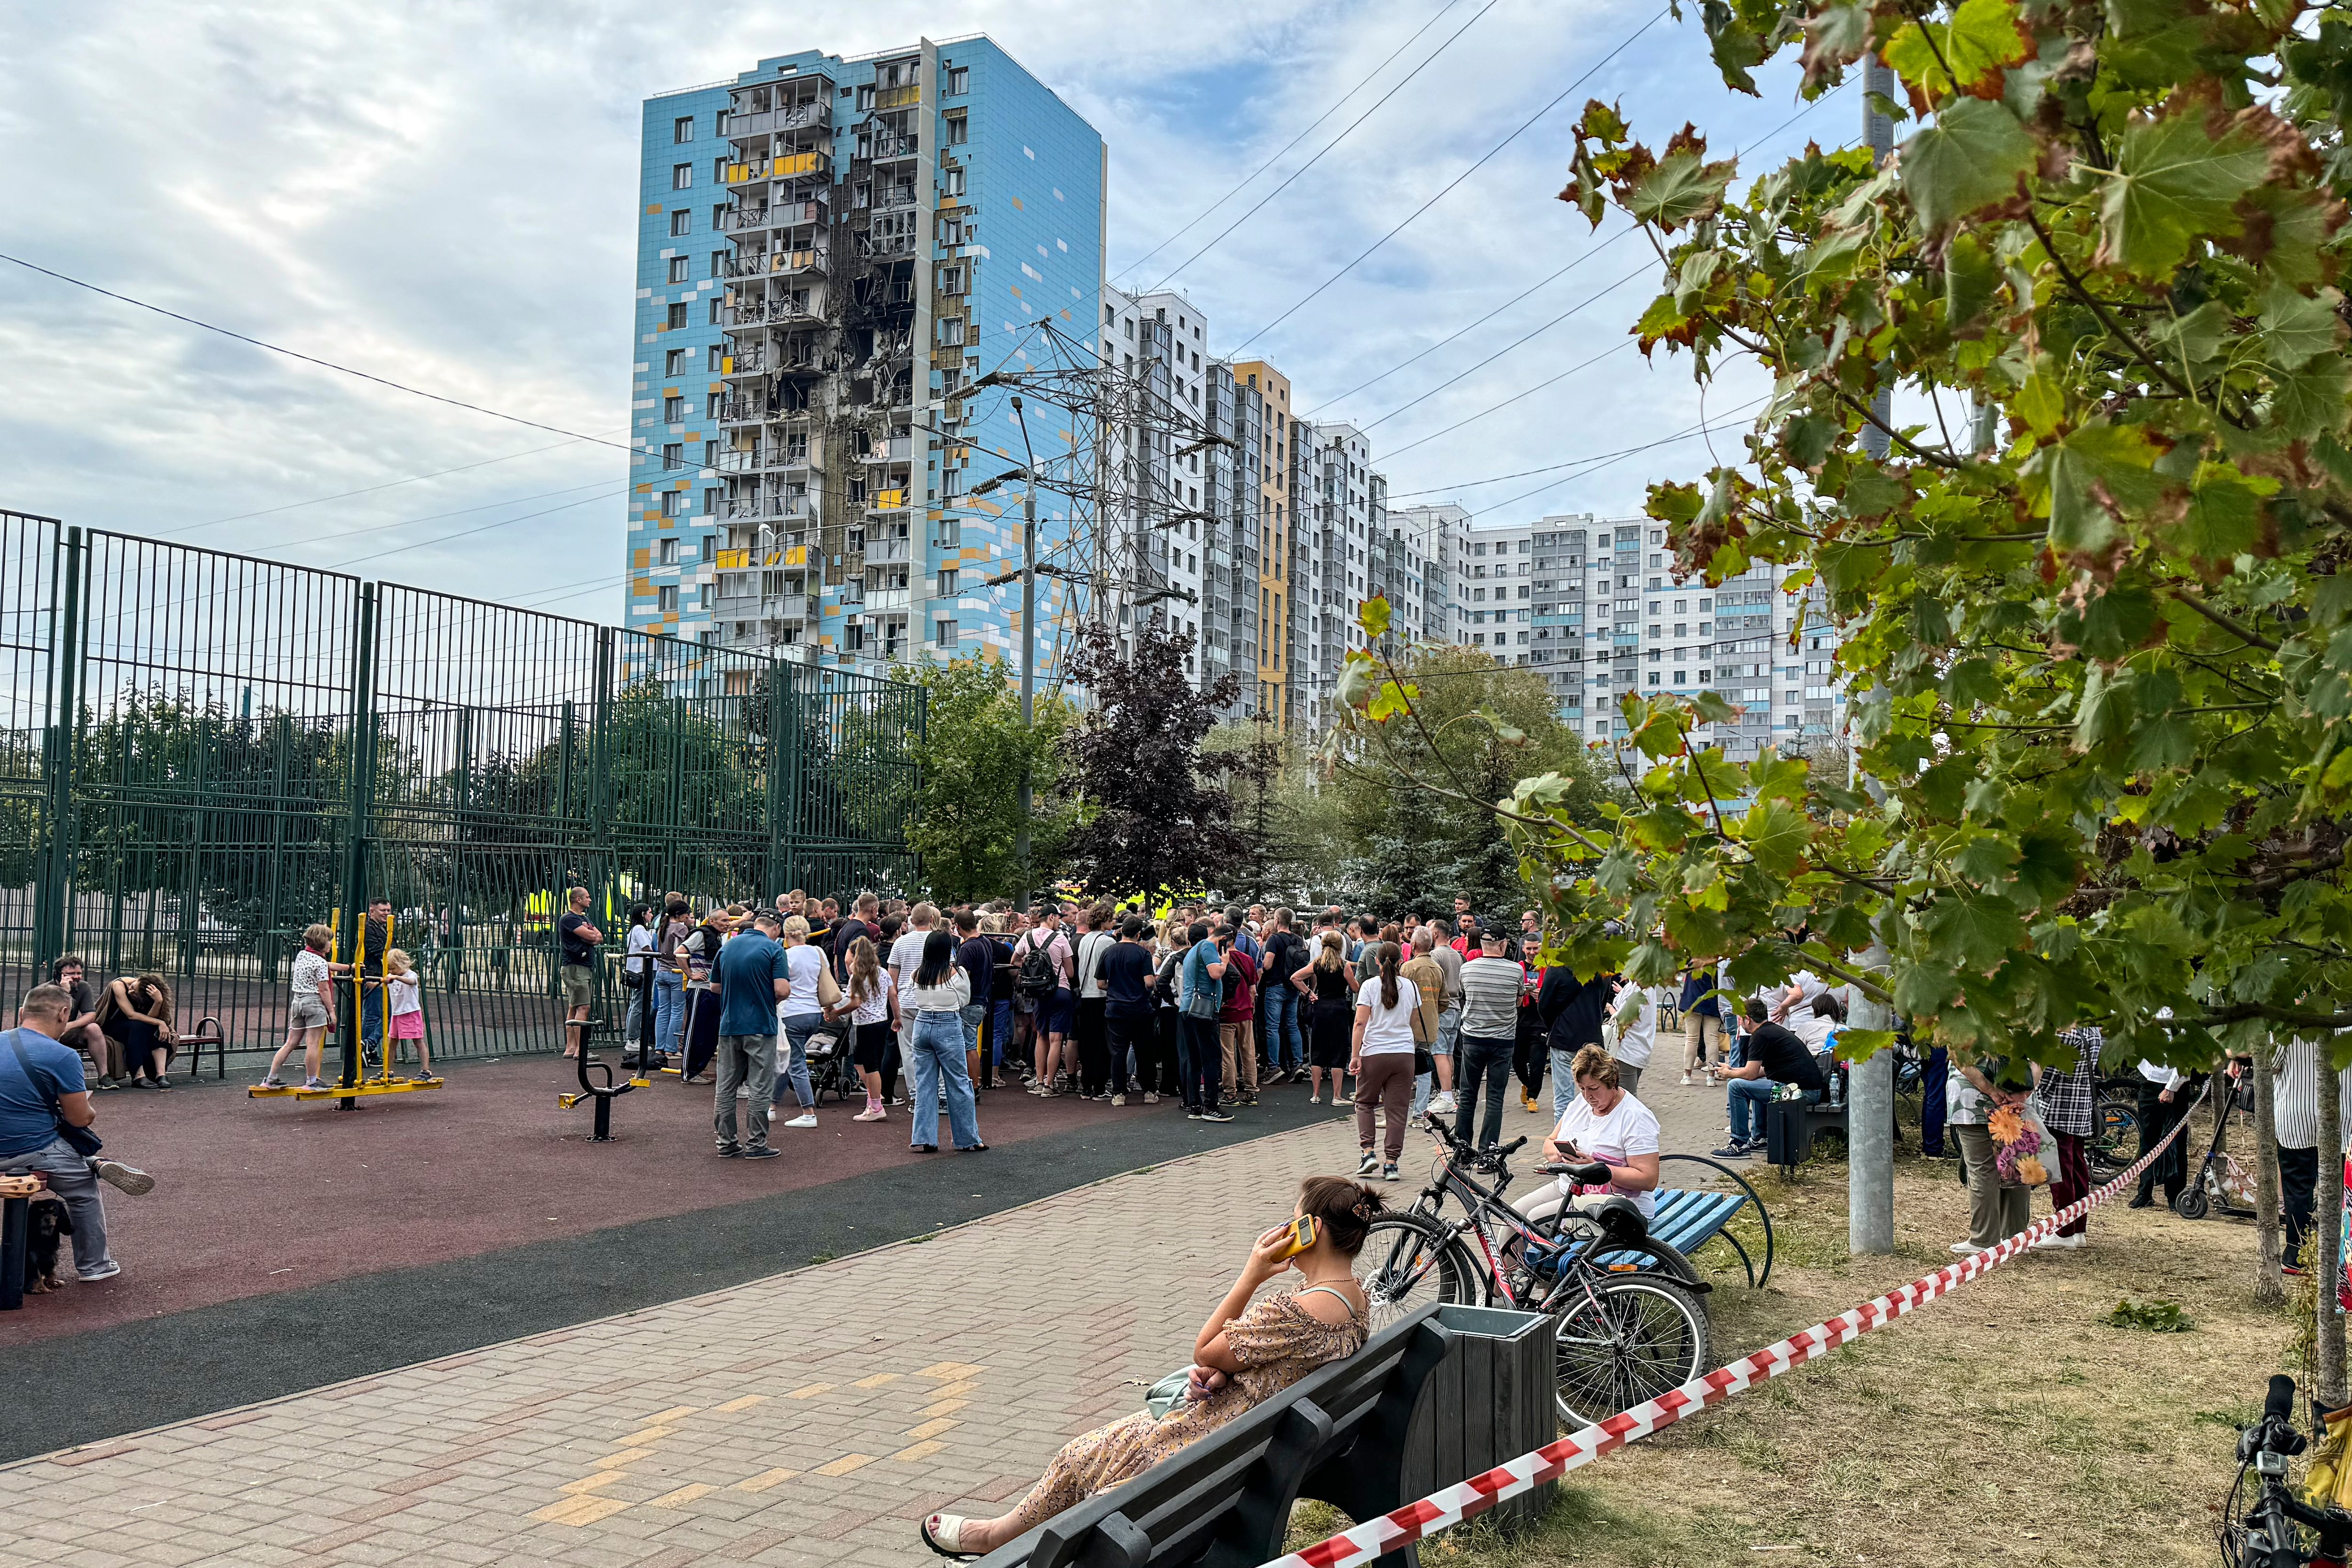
444 195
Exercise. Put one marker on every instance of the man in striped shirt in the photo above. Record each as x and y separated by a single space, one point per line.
1490 1022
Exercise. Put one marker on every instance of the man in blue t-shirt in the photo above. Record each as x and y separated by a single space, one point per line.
41 1085
753 976
1199 1057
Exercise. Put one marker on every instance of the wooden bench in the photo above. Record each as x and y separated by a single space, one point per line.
1444 1395
1687 1219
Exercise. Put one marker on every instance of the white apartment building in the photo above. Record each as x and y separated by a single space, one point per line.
1342 511
1433 537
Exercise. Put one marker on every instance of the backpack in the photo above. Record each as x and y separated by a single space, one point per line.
1039 976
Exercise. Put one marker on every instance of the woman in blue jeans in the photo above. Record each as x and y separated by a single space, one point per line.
940 992
669 977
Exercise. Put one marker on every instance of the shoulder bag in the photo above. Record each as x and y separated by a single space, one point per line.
81 1140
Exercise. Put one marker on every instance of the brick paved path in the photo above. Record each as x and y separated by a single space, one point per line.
807 1418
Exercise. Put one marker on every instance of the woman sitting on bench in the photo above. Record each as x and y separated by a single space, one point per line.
1245 1354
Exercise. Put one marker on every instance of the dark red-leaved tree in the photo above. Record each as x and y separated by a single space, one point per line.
1148 821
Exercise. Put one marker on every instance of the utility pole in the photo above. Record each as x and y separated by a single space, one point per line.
1870 1108
1028 648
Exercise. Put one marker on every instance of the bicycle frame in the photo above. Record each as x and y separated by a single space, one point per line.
1480 1203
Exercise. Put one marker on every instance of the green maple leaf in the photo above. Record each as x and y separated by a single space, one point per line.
1777 834
1978 40
1970 158
2175 184
2309 402
2295 326
2094 472
1975 933
1680 188
1374 618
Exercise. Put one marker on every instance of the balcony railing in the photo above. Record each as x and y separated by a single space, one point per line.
884 147
792 166
774 263
775 215
768 122
770 509
898 97
887 501
782 311
767 455
879 550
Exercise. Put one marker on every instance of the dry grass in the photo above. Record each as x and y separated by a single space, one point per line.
2006 1421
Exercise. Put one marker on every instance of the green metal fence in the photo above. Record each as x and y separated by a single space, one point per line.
204 752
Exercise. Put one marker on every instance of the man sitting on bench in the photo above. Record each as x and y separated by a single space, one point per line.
1774 1056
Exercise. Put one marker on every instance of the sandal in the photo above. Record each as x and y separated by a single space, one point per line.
944 1533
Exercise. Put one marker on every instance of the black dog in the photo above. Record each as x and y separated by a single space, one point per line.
47 1227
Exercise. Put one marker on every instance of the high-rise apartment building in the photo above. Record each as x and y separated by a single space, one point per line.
1265 395
832 250
1342 510
1437 534
1609 618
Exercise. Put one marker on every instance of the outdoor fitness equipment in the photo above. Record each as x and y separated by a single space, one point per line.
603 1093
355 1079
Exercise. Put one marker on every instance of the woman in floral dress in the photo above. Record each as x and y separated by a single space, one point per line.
1245 1354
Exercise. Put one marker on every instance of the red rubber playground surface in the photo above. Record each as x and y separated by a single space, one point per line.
254 1198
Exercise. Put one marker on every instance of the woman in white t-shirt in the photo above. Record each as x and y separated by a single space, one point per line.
1633 1030
800 1015
1603 1122
1382 1057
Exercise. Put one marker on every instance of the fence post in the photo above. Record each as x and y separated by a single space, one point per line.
782 796
358 812
53 920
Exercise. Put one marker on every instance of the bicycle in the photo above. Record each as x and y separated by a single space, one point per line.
2269 1532
1624 1333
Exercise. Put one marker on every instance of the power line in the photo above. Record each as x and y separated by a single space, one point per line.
369 489
1524 126
1621 344
1426 61
313 360
1539 331
1569 462
1295 141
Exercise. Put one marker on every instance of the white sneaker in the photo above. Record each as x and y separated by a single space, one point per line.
1119 1099
2059 1244
106 1270
1150 1098
805 1119
1686 1080
127 1178
1966 1249
1443 1104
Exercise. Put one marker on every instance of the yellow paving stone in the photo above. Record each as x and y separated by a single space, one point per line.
923 1450
590 1483
684 1494
579 1510
953 1390
951 1371
932 1428
745 1402
876 1381
765 1480
625 1459
944 1407
844 1465
671 1414
811 1391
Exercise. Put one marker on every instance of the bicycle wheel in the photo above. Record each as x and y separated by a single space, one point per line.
2118 1131
1621 1340
1406 1263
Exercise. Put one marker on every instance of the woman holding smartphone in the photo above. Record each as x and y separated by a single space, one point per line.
1245 1354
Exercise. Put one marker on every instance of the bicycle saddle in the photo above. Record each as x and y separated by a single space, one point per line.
1618 1217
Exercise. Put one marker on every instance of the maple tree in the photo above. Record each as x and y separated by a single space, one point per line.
2093 602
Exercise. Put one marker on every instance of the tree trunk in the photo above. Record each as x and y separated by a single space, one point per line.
2270 1285
2327 1353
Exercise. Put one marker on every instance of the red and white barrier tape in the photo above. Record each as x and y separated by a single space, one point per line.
1449 1507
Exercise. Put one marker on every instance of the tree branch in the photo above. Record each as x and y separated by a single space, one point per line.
2223 622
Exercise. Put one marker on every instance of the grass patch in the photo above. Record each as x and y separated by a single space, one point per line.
2006 1421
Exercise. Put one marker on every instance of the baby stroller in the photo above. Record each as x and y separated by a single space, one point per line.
2221 1184
829 1064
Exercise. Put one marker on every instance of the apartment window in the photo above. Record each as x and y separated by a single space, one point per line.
718 401
702 597
669 552
959 127
676 317
674 454
710 454
719 218
719 170
951 183
674 362
669 504
681 130
947 582
958 79
709 509
853 635
951 280
673 410
714 313
682 177
951 330
666 600
943 633
681 221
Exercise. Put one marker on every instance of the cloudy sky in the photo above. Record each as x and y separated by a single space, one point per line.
443 194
